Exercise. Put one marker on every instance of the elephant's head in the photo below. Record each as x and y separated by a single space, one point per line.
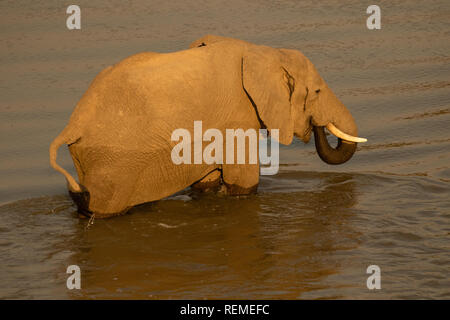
288 94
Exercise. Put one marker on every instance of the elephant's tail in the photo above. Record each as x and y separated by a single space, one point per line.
60 140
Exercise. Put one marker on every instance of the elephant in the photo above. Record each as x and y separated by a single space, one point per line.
119 134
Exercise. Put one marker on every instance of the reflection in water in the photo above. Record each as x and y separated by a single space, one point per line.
304 235
274 244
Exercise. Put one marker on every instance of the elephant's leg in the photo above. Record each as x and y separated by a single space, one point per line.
241 179
208 183
109 181
109 191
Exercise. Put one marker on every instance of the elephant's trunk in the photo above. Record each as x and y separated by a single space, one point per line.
340 123
342 153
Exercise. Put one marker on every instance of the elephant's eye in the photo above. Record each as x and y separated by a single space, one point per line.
318 90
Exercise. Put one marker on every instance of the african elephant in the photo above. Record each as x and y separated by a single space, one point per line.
119 134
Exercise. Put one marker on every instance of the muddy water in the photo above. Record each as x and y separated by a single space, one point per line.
310 232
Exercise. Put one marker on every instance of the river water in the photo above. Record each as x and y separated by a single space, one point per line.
310 232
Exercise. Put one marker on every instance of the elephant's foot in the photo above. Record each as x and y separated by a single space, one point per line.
209 183
240 179
82 199
236 190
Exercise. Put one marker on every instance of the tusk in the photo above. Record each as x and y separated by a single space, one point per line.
338 133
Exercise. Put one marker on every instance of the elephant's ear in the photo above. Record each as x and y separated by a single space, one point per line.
269 86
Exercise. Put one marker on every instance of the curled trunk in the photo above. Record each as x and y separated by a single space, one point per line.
342 153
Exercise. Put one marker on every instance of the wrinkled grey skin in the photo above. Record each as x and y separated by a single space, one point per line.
119 134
